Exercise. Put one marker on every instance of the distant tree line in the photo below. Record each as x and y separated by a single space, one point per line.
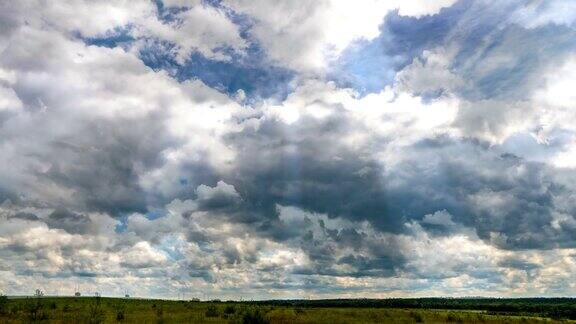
549 307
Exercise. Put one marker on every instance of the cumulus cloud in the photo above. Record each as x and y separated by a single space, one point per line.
307 35
196 28
430 74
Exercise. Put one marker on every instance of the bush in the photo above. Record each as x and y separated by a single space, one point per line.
159 312
35 308
120 315
3 304
95 312
254 316
480 318
229 310
211 311
120 308
14 310
417 317
454 318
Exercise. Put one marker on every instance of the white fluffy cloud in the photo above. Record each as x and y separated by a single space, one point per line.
198 28
539 13
90 18
306 35
559 81
430 74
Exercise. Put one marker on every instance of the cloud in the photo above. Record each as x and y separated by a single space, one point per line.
142 255
245 149
429 75
538 13
557 80
97 162
197 28
440 218
73 16
317 31
68 221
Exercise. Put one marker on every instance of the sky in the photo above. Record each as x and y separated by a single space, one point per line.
256 149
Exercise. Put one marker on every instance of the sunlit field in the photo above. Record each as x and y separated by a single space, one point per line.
116 310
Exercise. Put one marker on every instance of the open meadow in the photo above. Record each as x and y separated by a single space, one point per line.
120 310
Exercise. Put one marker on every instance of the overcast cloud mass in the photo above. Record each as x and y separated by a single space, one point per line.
288 149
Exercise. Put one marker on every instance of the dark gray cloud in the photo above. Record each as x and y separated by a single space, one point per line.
103 166
509 202
70 222
517 263
25 216
494 194
306 165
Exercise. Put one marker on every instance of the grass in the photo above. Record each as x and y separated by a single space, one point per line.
116 310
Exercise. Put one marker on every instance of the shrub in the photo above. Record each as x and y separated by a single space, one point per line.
159 311
3 304
254 316
480 318
14 310
120 315
211 311
159 314
229 310
95 314
417 317
35 308
454 318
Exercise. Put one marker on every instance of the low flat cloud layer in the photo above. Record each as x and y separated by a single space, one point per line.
274 149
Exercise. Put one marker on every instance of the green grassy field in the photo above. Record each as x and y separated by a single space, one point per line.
116 310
